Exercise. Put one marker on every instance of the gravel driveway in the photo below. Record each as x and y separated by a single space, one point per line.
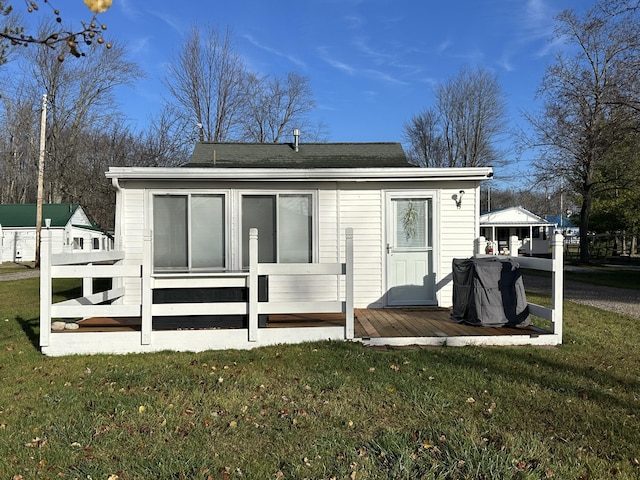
19 275
619 300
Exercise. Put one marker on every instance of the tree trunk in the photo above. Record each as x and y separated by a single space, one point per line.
585 213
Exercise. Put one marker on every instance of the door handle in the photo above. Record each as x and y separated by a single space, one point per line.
389 248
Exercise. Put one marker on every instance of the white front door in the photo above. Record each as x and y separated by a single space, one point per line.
410 271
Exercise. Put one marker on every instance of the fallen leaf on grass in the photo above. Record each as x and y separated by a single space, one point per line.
35 443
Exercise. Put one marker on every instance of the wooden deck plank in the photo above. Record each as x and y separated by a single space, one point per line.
407 322
425 324
385 324
365 324
369 323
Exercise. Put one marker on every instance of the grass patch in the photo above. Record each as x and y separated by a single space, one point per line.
607 276
323 410
602 276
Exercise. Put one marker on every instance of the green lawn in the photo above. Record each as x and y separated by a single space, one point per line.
323 410
607 276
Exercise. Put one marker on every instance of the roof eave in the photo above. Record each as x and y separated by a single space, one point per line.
306 174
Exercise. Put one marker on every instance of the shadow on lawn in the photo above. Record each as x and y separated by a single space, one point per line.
538 367
31 329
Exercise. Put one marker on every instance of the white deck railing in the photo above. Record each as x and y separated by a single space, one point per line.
111 303
555 265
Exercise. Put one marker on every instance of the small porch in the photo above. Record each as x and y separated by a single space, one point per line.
103 323
377 326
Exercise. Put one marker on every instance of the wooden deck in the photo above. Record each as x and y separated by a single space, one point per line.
370 324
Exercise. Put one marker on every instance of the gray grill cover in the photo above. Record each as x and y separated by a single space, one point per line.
489 291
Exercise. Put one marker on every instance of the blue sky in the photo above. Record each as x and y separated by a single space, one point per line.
372 64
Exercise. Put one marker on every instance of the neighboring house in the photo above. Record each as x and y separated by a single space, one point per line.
71 230
408 222
534 233
566 226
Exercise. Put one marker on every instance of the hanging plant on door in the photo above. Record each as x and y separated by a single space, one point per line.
410 218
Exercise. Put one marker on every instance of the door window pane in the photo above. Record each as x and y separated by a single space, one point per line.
170 232
411 223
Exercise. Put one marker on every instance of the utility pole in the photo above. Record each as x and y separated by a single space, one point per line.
43 136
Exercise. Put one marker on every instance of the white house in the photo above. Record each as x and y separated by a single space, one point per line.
408 222
534 233
71 229
209 255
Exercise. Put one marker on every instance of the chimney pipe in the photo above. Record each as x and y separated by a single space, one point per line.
296 138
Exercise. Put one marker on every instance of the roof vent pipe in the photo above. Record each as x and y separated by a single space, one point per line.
296 138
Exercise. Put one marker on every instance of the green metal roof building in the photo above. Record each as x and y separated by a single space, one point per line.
71 230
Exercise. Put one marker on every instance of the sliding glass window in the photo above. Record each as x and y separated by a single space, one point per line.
285 227
189 233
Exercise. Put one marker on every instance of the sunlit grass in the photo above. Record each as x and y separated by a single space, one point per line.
323 410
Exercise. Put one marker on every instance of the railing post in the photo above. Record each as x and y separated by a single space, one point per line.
348 285
252 307
146 294
480 246
46 296
557 283
513 246
87 285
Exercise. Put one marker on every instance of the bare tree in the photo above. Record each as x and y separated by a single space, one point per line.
618 7
19 146
463 127
167 142
424 135
274 106
590 114
81 98
205 79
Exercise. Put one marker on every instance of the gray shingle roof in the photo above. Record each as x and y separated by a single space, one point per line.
309 155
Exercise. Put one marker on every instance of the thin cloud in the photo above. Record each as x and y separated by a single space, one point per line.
353 71
537 21
138 45
273 51
169 19
127 8
354 21
385 77
378 57
443 46
324 54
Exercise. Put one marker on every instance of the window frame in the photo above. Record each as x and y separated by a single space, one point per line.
189 269
314 211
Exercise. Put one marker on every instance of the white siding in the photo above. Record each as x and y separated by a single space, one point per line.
457 231
360 206
132 238
361 209
79 218
19 244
